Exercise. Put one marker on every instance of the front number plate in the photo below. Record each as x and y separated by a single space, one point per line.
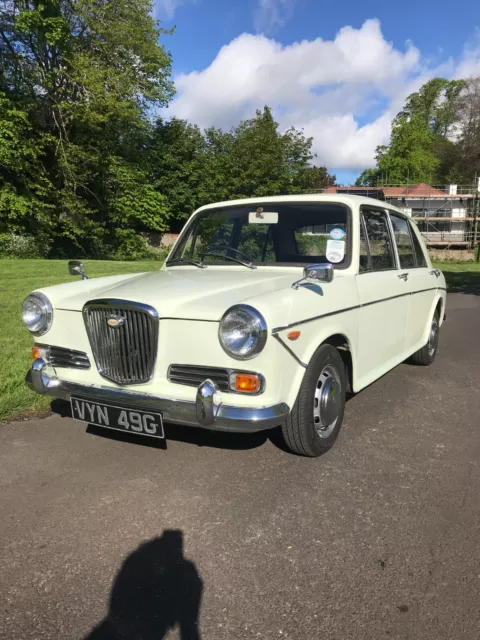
120 418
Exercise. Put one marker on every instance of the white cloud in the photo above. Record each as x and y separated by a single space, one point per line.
342 143
166 8
270 14
469 66
342 92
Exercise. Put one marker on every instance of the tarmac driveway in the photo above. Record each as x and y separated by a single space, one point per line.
227 536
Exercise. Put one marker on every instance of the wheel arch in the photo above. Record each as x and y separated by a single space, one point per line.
341 334
438 304
441 308
343 346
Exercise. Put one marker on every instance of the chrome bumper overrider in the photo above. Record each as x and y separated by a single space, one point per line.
207 411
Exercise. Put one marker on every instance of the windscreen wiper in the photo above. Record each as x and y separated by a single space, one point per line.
225 256
200 265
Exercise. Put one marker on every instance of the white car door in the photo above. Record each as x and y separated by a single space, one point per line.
384 296
422 280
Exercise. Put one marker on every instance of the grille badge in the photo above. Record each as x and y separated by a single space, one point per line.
115 321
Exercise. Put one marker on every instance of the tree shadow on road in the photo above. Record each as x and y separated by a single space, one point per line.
156 589
463 282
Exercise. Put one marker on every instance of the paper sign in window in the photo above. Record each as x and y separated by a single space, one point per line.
335 250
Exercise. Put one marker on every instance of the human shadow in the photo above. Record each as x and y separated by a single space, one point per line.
155 590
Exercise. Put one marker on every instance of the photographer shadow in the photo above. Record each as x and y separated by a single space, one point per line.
156 589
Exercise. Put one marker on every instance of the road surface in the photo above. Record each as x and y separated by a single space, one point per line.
105 536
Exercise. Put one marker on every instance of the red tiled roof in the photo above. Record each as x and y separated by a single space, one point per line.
415 190
340 188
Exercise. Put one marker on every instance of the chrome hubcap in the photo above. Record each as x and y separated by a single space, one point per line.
433 338
327 402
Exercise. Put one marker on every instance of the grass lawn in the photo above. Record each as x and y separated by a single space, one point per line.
461 276
19 277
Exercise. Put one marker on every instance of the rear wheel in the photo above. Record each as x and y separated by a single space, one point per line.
426 355
316 417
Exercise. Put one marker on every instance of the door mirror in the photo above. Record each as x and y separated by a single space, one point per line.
321 272
76 268
316 273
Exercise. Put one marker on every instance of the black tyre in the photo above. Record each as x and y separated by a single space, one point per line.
426 355
316 417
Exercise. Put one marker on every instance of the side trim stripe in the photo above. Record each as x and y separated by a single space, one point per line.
323 315
358 306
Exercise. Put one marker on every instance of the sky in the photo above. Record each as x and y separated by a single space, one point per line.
339 71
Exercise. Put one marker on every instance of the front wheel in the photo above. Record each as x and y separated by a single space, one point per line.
426 355
316 417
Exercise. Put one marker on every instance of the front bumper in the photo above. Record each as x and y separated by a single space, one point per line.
206 411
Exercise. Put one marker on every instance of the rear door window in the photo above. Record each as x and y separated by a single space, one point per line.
403 240
419 252
380 246
364 251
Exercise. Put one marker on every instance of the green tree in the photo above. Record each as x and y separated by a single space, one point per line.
177 163
421 148
24 185
87 73
304 176
262 161
217 185
257 162
192 168
467 161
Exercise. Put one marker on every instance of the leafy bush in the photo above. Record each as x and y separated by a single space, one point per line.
16 246
130 245
452 255
154 253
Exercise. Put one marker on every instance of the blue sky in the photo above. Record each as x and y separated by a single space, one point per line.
340 71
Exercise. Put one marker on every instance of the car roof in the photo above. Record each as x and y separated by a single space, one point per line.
346 199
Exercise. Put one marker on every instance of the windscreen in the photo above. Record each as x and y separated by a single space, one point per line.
272 234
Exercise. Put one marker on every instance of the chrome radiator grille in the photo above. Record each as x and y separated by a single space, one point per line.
194 376
67 358
123 336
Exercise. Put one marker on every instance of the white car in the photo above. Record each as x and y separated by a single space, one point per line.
266 313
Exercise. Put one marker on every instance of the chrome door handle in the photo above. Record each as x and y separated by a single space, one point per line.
403 276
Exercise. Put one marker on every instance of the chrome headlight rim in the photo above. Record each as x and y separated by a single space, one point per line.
261 327
47 311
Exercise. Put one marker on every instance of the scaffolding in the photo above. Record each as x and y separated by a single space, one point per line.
447 216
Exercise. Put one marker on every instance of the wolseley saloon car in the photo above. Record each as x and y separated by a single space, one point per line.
267 313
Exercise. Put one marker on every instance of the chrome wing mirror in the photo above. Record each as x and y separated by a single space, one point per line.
315 273
76 268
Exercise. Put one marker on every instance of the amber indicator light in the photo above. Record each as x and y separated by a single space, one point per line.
247 383
294 335
37 352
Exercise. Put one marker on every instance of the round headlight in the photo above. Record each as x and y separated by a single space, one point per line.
242 332
37 313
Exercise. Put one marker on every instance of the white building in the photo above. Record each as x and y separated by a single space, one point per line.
446 217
